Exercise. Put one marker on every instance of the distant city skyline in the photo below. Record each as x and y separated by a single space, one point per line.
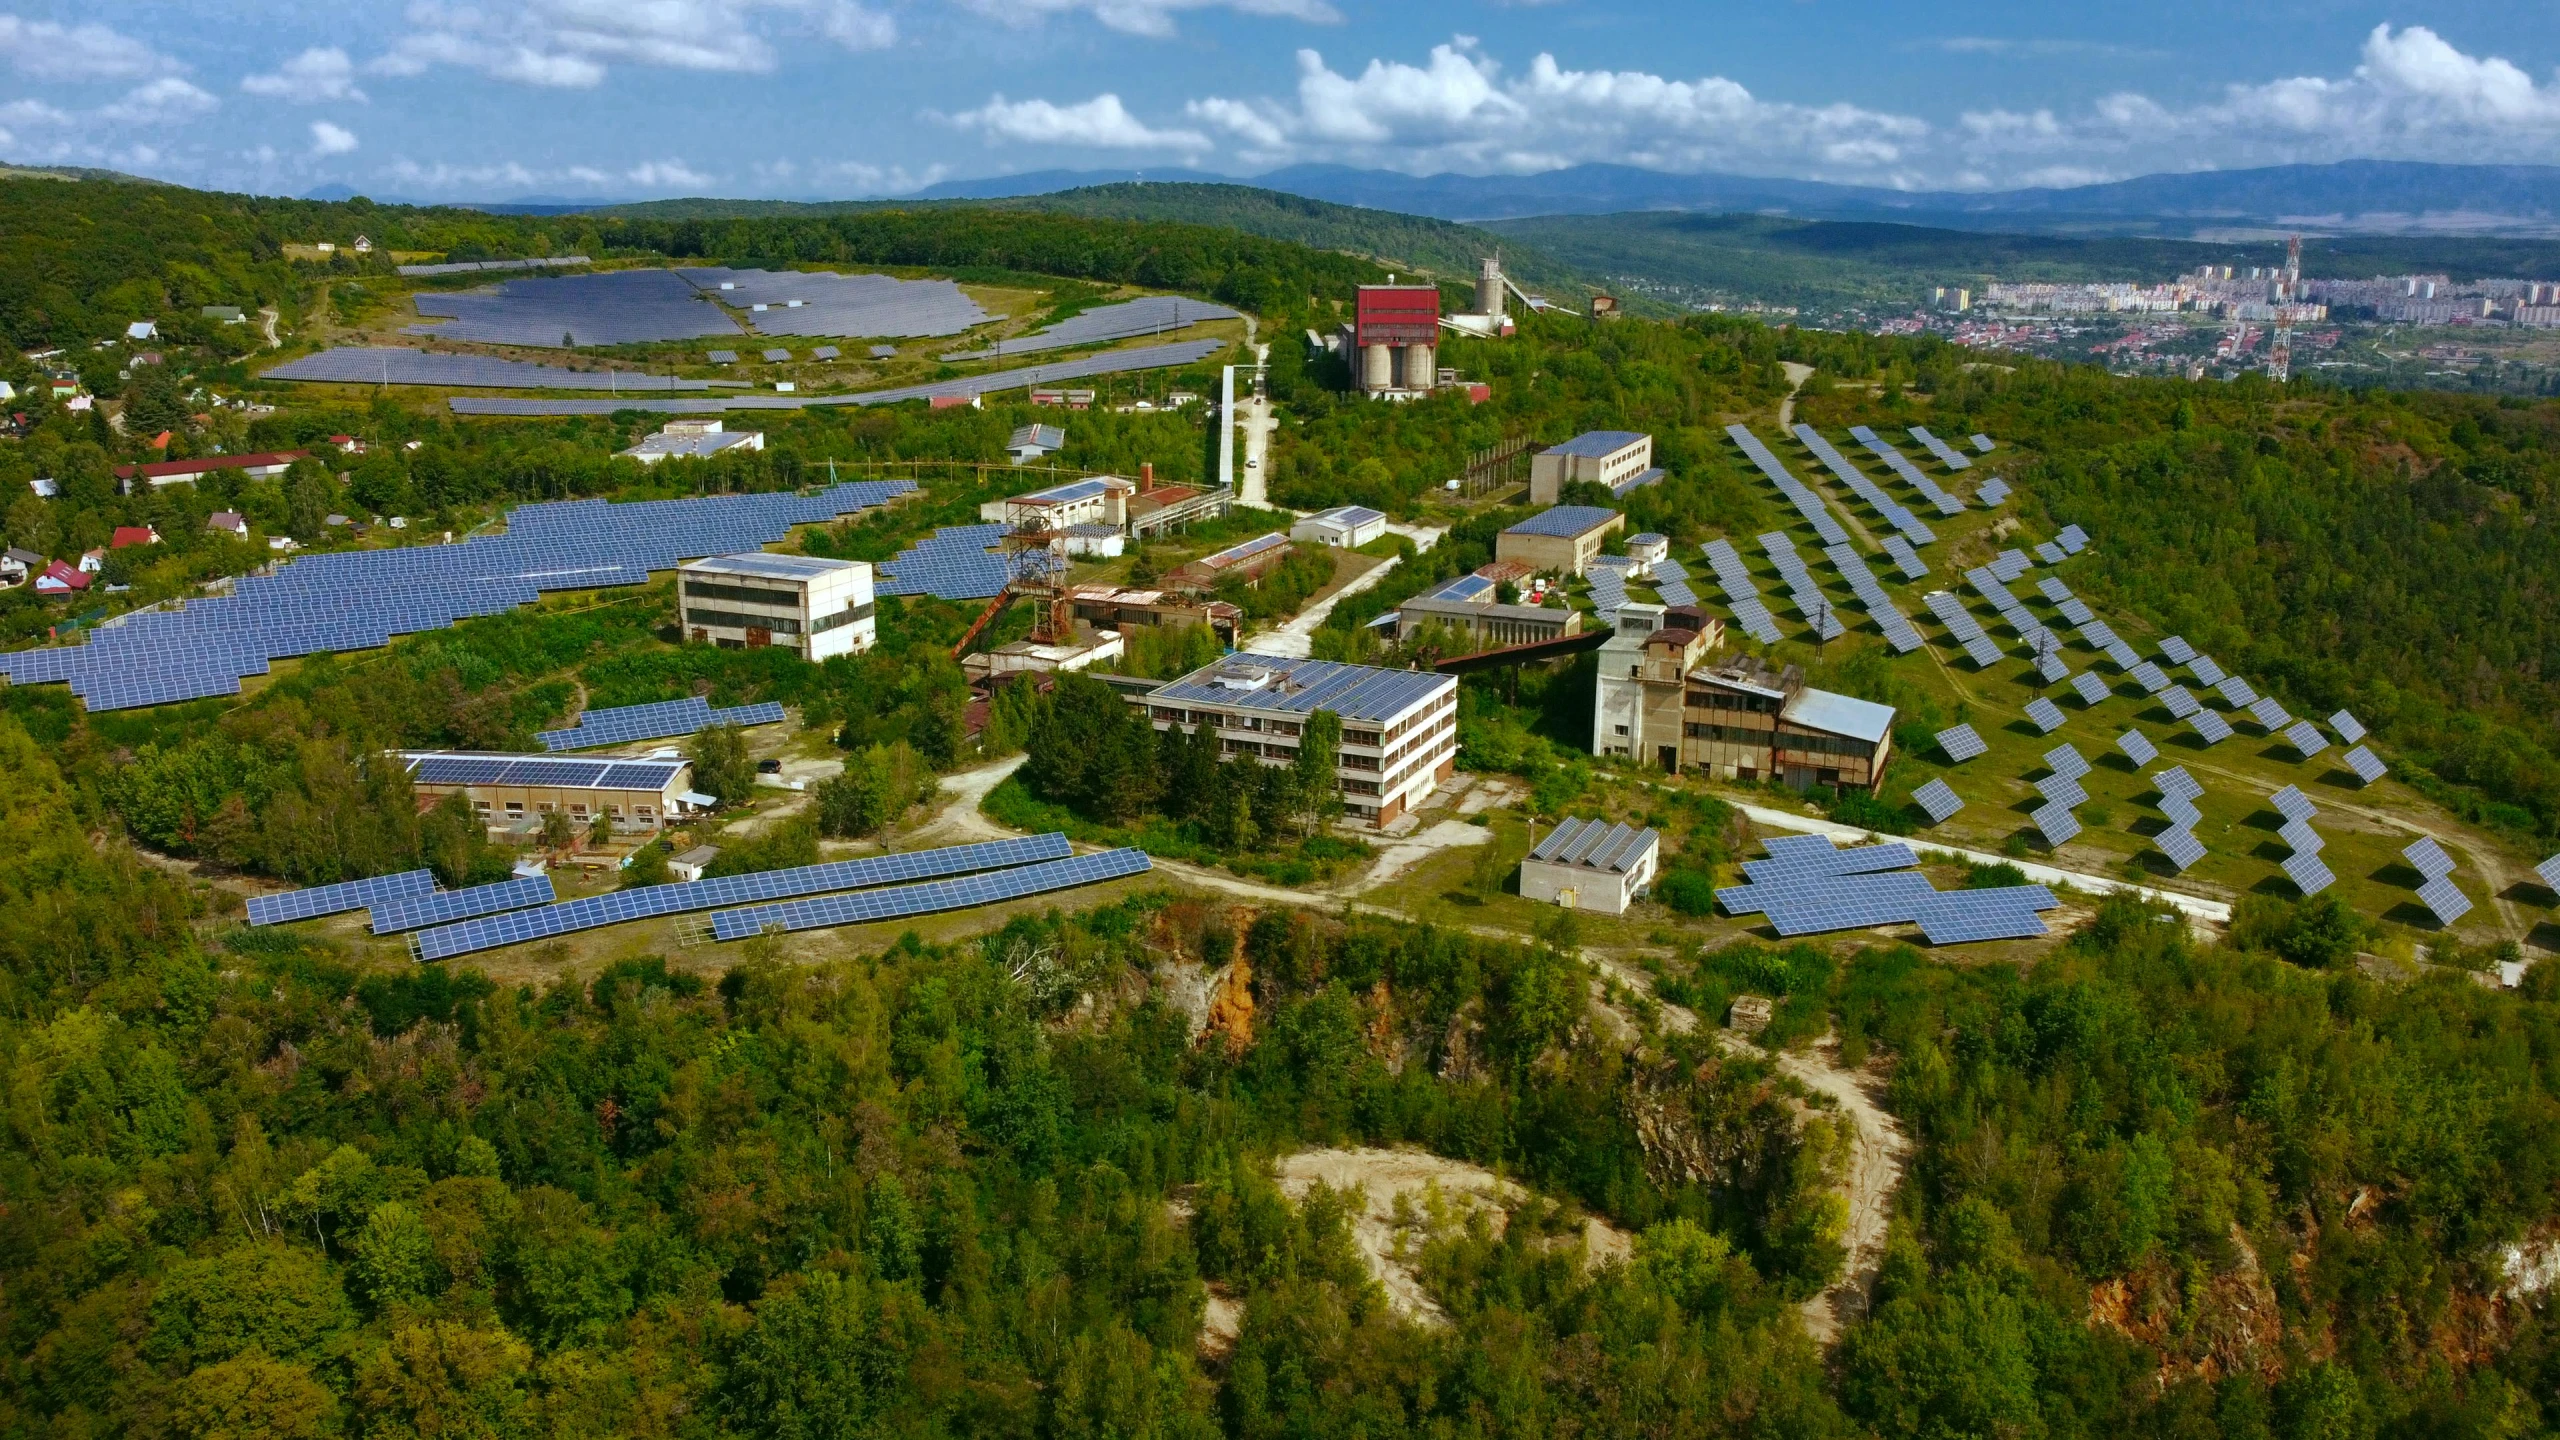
859 98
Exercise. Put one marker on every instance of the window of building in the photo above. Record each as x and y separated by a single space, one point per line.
515 807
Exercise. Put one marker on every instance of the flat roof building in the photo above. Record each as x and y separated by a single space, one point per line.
1619 459
1744 719
693 440
1637 693
1094 500
1348 526
633 794
1560 540
1399 727
1591 865
821 608
1109 607
1468 604
1251 559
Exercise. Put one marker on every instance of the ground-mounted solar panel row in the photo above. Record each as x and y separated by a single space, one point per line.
1803 892
467 267
824 302
1108 362
1906 558
1896 626
1146 315
663 720
1810 601
416 912
958 562
1947 454
1992 491
1901 466
1893 511
1806 503
314 901
595 911
398 365
1749 610
864 907
360 599
1978 645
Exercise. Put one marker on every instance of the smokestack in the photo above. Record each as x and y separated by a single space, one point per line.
1146 476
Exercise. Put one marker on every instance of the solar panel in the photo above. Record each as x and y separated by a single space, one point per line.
2299 835
2178 651
2211 726
1909 473
2051 669
1806 503
1992 491
1960 743
827 352
319 900
2047 715
594 911
2117 651
2149 676
2050 553
2062 790
2137 747
2347 727
2089 687
2549 870
1905 558
2075 611
1146 315
2010 564
2207 670
2065 760
390 917
2446 899
2176 781
1811 603
884 352
2072 539
2237 691
626 724
2308 874
959 562
2306 738
2428 858
2180 704
2180 845
2182 811
1947 454
777 355
621 307
1981 443
823 302
1817 855
1955 917
1938 799
399 365
2368 769
2057 823
900 901
2270 714
1910 530
2052 588
2292 804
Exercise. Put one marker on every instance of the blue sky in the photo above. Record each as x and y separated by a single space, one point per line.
495 99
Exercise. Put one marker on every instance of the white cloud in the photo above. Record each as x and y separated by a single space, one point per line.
857 27
163 101
317 74
42 50
573 44
445 178
328 139
1099 123
667 175
1148 17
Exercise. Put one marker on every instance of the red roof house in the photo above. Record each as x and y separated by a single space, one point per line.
132 535
60 579
187 472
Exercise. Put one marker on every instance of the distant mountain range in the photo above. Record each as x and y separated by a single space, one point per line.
2355 196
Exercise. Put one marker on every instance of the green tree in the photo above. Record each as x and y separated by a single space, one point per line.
270 1298
253 1397
721 767
393 1255
1319 752
444 1380
311 496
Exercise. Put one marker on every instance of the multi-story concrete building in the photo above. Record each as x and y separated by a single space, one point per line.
1619 459
1399 727
1468 603
821 608
1637 698
1664 699
1561 540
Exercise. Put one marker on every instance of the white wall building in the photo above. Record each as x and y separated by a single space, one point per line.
1591 865
1348 526
821 608
1399 727
693 440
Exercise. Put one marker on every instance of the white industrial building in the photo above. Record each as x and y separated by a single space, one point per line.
1094 500
693 440
1399 727
1348 526
1031 442
1619 459
1591 865
821 608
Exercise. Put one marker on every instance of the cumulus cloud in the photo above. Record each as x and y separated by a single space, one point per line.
321 73
858 27
667 175
1148 17
328 139
164 101
573 44
42 50
1101 123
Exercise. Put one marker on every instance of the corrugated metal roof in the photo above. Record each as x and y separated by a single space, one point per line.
1273 682
1840 715
1596 845
1564 521
1594 444
1048 437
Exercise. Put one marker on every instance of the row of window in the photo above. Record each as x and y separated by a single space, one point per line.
577 809
738 620
1727 700
744 594
846 616
1766 739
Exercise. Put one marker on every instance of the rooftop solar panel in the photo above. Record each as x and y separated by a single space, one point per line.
2181 846
1938 800
1960 743
2347 728
2137 747
2308 874
2305 738
2428 858
2047 716
318 900
2367 768
2058 825
898 902
2446 899
2089 687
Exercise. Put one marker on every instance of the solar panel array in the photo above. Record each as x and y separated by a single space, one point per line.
823 302
626 723
2010 564
2347 727
2091 690
1805 890
1608 587
2207 670
2211 726
359 599
2308 874
898 902
317 900
2137 747
1808 504
1671 582
2052 589
1992 491
1960 743
2062 790
622 307
1982 444
1903 556
1146 315
2040 641
2181 702
2065 759
2304 866
2549 870
2047 715
595 911
2176 782
1897 628
2180 845
390 917
1893 511
2305 737
958 562
1938 799
2292 804
2368 768
465 267
1810 601
2237 691
399 365
1947 454
1909 473
2058 825
1979 647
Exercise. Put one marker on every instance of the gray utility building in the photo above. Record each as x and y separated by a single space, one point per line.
1591 865
1619 459
821 608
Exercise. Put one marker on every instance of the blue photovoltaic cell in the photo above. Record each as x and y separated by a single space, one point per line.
594 911
2207 670
2428 858
2347 728
2444 898
2075 611
2137 747
1912 530
2212 727
2065 760
1938 799
2149 676
2057 823
2117 651
1960 743
2305 737
2549 870
398 365
2237 691
2062 790
2047 715
2180 845
1982 443
2050 553
415 912
2073 539
2180 703
2178 651
2182 811
1905 558
2292 804
2089 687
2368 769
1947 455
2052 589
2052 669
1911 475
2176 781
1146 315
959 562
900 901
2301 838
1992 491
2270 714
2010 564
318 900
628 723
2308 874
1806 503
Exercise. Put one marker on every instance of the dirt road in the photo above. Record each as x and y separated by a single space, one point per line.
1296 638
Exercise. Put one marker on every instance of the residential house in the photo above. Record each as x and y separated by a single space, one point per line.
60 579
133 535
229 522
